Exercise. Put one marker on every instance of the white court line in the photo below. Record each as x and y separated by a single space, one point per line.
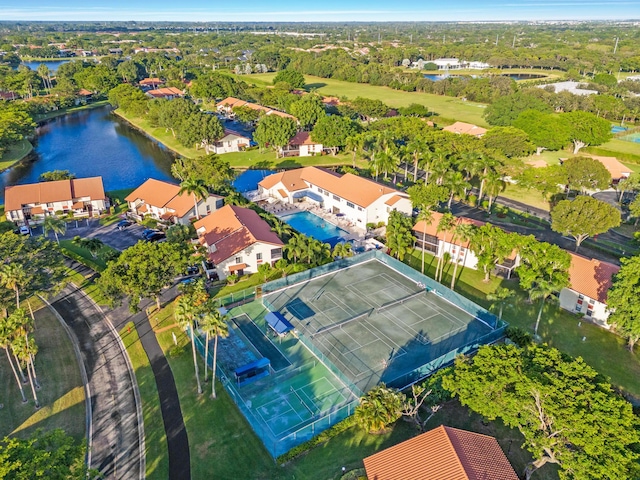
466 313
447 314
339 302
353 284
291 409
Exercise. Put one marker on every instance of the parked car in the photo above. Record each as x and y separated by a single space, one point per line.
154 237
122 224
23 230
149 231
193 270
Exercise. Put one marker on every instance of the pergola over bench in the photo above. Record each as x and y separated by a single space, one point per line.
278 323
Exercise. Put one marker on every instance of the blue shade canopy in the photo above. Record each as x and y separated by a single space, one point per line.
278 323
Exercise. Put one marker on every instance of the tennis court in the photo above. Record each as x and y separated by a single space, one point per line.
261 342
374 323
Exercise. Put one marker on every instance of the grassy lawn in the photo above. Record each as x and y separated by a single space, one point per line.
157 456
118 207
530 197
446 107
64 111
15 153
62 394
622 149
83 255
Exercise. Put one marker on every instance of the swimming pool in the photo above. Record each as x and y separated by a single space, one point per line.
316 227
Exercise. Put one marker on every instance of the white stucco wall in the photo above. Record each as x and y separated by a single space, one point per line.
569 301
249 256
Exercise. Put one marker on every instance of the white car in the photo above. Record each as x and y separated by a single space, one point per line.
24 230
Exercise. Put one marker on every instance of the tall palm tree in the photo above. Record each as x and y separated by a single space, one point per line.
440 165
13 277
342 250
354 144
23 350
456 184
462 232
417 148
185 314
446 224
296 247
425 215
494 186
6 339
500 296
213 323
198 189
486 164
54 224
542 290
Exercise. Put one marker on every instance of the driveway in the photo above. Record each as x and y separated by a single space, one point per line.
109 234
117 433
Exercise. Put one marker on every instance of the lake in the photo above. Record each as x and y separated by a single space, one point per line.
93 143
516 76
52 65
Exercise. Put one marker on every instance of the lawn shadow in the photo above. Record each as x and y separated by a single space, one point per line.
314 86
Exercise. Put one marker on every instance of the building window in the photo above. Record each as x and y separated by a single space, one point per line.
360 209
320 190
336 198
276 253
350 205
238 259
581 296
259 257
326 194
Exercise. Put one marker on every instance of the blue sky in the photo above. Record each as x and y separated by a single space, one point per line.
325 10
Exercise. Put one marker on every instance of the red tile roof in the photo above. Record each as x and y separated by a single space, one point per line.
232 102
432 228
232 229
591 277
302 138
166 92
443 453
48 192
467 128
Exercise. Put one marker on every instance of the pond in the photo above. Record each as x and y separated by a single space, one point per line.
52 65
93 143
248 180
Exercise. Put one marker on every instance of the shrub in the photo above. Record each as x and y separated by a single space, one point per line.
519 336
232 279
472 200
176 350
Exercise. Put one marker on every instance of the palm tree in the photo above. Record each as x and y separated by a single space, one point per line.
13 277
500 296
282 264
198 189
55 225
296 247
457 185
94 245
380 407
425 215
446 224
462 232
494 186
486 163
542 290
185 313
441 164
23 350
6 339
417 148
354 144
342 250
213 323
400 242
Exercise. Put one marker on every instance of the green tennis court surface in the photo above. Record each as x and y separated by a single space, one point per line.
375 324
261 342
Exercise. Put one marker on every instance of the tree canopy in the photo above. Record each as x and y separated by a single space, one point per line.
294 78
308 110
586 173
622 300
583 217
274 131
568 414
547 131
505 110
511 141
586 129
332 131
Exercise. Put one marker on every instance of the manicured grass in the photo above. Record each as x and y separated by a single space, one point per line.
621 149
118 207
15 153
65 111
530 197
83 255
446 107
157 455
62 393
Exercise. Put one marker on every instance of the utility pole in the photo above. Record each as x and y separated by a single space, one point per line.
615 48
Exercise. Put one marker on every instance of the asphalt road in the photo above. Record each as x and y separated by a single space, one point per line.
109 234
117 437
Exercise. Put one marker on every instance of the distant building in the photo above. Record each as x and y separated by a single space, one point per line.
168 93
466 128
359 200
589 282
301 145
443 453
571 87
30 203
162 201
228 104
231 142
237 241
151 82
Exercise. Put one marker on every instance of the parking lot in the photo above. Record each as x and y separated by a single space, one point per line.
91 228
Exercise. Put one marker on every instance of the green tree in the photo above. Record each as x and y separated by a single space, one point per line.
587 129
308 110
567 413
379 408
334 131
424 215
129 98
246 114
634 209
504 111
213 170
7 337
500 297
143 271
196 188
545 130
547 180
491 246
622 300
586 173
56 175
54 224
49 455
630 183
274 132
215 325
14 277
294 78
463 232
511 141
342 250
446 225
94 245
264 270
399 237
368 109
583 217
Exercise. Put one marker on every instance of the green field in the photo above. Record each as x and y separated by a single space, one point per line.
447 107
62 393
157 456
15 153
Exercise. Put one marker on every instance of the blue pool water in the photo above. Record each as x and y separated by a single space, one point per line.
248 180
316 227
634 137
617 129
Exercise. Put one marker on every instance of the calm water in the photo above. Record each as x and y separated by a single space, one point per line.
52 65
248 180
93 143
316 227
516 76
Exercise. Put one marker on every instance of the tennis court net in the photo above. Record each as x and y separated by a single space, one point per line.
342 323
399 301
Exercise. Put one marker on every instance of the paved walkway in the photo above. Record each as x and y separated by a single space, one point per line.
117 441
